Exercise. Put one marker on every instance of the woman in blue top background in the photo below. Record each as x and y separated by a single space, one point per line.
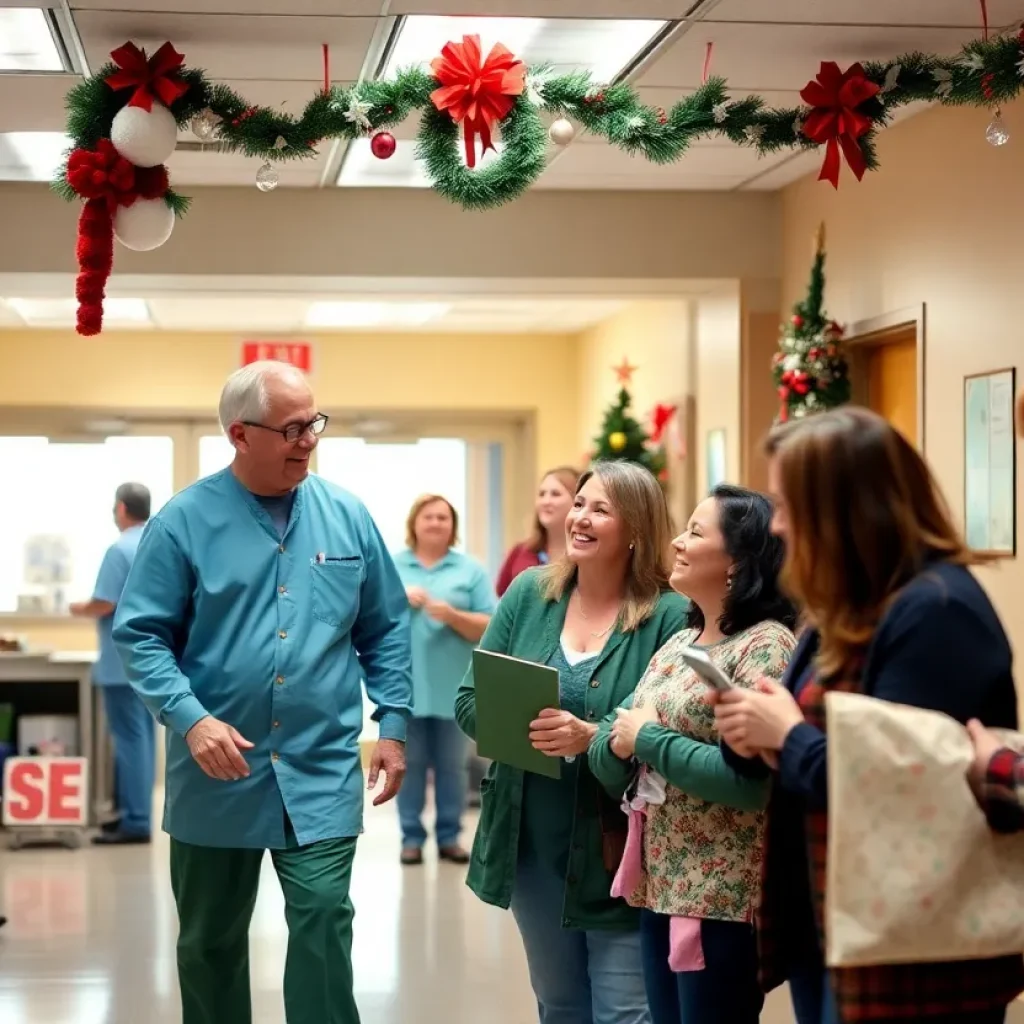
451 600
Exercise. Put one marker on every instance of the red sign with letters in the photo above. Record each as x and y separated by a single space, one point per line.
298 353
46 791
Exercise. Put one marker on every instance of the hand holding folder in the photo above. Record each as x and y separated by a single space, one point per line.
510 694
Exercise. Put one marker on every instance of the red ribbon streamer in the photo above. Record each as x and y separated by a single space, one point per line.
477 93
835 121
984 18
708 50
327 67
155 78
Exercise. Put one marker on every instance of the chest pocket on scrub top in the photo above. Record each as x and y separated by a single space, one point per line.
336 583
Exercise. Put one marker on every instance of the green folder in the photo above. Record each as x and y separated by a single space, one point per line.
510 693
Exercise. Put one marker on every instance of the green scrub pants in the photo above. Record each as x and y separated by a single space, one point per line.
215 892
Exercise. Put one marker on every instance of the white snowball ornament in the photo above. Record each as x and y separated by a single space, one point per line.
561 132
144 225
146 138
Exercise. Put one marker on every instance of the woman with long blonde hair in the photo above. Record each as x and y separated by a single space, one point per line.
548 848
892 611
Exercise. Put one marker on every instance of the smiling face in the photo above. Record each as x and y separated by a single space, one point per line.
594 530
274 465
434 526
553 502
701 567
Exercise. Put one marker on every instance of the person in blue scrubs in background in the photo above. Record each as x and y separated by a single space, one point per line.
130 724
452 601
261 600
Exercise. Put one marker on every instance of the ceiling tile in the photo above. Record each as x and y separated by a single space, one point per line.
33 103
297 8
226 46
757 57
867 12
661 9
231 313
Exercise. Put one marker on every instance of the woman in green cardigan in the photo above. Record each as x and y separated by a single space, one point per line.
549 848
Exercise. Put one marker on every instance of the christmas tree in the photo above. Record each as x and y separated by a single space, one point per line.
622 437
810 368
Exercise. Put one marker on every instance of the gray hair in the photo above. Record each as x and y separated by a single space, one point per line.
136 500
246 396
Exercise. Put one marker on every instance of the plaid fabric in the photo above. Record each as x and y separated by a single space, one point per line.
885 993
1002 793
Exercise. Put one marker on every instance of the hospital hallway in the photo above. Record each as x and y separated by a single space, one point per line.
90 940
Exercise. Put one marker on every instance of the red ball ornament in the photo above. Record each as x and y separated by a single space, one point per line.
383 145
797 321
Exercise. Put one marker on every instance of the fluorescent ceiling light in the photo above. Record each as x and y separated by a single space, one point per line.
26 42
373 314
31 156
603 47
62 312
361 169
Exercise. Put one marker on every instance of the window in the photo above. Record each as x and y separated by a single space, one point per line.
388 478
215 454
59 515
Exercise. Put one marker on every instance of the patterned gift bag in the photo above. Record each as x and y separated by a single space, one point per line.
914 872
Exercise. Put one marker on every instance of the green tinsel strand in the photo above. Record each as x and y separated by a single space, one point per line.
178 203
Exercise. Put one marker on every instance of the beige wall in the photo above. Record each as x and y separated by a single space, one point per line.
940 223
655 337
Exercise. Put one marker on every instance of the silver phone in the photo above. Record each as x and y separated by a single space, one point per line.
699 661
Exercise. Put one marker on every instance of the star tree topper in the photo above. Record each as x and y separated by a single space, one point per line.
624 372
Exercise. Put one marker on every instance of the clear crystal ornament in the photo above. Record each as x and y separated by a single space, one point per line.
267 178
997 134
204 124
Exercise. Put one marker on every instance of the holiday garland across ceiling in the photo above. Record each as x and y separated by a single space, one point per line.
123 125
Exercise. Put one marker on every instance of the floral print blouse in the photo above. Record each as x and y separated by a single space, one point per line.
699 859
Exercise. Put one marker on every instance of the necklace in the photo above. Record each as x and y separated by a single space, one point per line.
586 617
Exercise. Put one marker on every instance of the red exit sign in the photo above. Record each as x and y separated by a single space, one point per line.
298 353
46 791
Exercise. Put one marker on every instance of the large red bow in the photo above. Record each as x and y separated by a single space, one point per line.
155 78
835 96
477 93
102 173
661 417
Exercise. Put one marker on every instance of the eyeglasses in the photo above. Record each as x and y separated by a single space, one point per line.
295 431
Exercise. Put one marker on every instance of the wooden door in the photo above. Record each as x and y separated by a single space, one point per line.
892 382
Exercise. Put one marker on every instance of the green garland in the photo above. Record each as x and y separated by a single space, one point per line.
984 74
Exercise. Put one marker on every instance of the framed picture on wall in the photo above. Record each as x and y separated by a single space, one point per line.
990 463
716 457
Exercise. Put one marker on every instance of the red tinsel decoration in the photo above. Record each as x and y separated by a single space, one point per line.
153 79
835 121
477 93
661 417
106 181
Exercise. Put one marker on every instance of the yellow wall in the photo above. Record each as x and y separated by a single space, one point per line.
940 223
655 337
183 373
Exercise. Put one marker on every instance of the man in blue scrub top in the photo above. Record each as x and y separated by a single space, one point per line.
130 724
260 599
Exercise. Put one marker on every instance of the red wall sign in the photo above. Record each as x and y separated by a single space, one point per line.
298 353
46 791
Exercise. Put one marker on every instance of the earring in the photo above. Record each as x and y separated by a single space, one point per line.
728 583
631 546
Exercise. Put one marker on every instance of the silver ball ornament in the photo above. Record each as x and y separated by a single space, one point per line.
562 132
267 178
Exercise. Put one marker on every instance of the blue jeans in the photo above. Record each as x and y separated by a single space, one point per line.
438 745
578 977
134 733
725 992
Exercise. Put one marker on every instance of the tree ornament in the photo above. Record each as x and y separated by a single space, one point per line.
562 132
477 93
624 371
146 137
204 125
383 145
997 134
617 440
152 80
358 113
267 178
144 225
797 321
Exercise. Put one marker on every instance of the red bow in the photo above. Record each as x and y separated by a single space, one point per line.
661 417
102 173
796 380
477 93
155 78
835 96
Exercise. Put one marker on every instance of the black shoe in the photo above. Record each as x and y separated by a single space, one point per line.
454 854
114 825
412 856
121 839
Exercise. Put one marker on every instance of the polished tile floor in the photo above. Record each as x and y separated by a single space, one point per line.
91 941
